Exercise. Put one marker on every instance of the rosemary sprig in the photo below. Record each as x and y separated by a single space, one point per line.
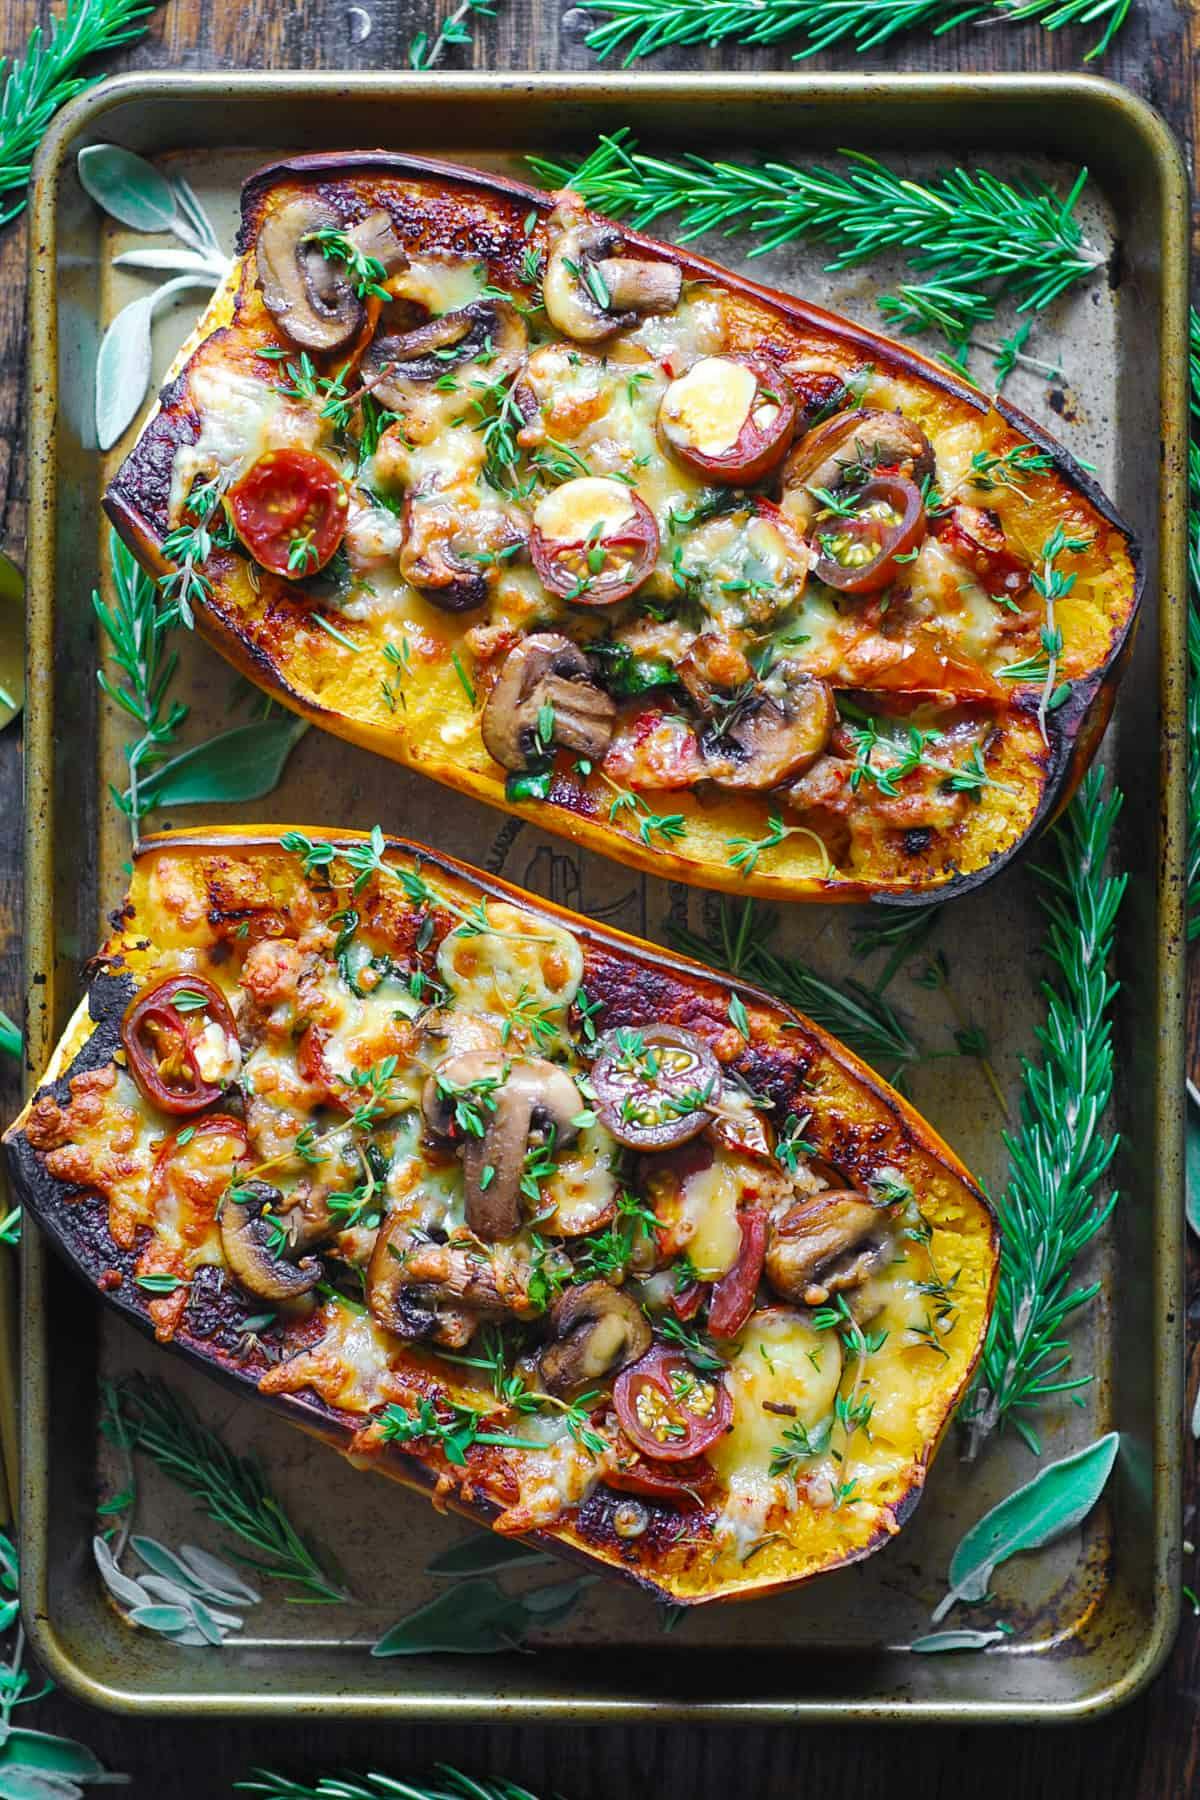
974 238
640 27
137 629
1061 1152
232 1490
864 1020
1193 707
35 86
450 1785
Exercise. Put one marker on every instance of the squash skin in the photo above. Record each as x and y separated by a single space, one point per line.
480 214
867 1125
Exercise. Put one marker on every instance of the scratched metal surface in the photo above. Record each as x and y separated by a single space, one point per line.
1081 1610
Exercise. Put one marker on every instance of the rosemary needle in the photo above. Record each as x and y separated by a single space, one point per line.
973 237
1060 1152
451 1785
47 76
640 27
863 1019
146 1415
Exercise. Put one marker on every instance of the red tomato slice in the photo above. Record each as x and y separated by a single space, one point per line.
734 1295
859 551
684 1480
669 1410
289 509
159 1037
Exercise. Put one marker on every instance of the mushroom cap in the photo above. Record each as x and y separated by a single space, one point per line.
824 1244
773 742
597 1330
590 290
245 1241
308 294
546 669
399 366
524 1097
866 435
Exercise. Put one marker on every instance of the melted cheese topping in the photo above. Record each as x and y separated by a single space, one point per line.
707 407
583 509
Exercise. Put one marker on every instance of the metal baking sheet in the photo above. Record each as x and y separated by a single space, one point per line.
1093 1616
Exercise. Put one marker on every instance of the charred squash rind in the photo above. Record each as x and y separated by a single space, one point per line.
481 215
786 1056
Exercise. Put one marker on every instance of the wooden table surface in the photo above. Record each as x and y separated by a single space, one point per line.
1148 1751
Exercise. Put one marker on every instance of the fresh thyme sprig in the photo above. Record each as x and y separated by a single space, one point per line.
35 86
450 1785
232 1490
864 1020
974 238
640 27
137 628
1059 1155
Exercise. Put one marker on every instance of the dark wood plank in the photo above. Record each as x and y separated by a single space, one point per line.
1151 1750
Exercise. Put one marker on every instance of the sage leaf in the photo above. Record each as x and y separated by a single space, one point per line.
21 1783
123 361
121 1586
48 1754
241 764
477 1618
1058 1498
165 261
218 1577
161 1618
123 369
955 1640
484 1553
127 187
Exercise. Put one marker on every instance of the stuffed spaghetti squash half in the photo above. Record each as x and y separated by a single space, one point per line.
586 526
582 1240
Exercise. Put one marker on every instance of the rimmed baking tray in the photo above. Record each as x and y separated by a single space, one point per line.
1094 1616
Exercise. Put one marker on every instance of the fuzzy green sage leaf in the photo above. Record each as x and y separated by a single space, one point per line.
484 1553
1058 1498
241 764
935 1641
127 187
478 1618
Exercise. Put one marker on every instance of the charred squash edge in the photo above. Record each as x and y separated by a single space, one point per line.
1075 729
59 1215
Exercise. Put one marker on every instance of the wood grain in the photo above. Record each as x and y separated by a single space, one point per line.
1151 1750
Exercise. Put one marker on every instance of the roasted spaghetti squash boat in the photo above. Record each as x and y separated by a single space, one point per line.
690 571
581 1239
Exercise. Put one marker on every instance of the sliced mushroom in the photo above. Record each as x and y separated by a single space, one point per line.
246 1241
824 1244
597 1329
444 551
447 1281
865 438
769 741
312 297
400 368
520 1104
400 1305
546 670
590 289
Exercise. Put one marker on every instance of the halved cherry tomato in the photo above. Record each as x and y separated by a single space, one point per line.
858 551
211 1125
670 1410
976 537
608 546
764 434
655 1087
160 1042
734 1295
683 1480
289 509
